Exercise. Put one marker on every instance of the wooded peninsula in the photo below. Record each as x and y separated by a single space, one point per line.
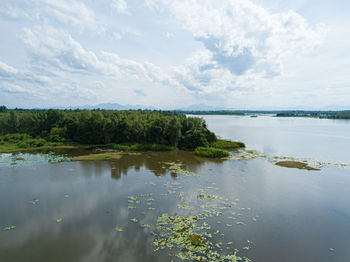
130 130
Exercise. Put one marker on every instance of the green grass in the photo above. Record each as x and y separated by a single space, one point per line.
295 164
227 144
23 142
141 147
18 141
211 152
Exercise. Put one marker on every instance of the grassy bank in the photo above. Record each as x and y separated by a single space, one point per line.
227 144
211 152
22 142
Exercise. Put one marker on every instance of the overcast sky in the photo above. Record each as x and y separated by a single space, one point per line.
240 54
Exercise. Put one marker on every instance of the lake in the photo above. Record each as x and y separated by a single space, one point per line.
139 207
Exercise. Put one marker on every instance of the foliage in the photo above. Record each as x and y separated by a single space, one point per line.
227 144
147 129
211 152
3 109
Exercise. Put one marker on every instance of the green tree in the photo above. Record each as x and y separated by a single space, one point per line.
13 123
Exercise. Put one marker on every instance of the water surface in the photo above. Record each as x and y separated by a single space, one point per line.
269 213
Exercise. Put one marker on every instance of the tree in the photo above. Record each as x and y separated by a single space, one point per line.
3 109
13 122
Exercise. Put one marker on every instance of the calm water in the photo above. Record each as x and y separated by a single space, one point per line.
322 139
275 213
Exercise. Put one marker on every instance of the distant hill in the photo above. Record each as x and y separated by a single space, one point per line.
111 106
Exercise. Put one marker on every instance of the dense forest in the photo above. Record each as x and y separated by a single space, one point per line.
108 126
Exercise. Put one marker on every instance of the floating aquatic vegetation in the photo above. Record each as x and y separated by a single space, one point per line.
314 164
34 202
203 196
176 168
59 220
189 241
119 229
134 220
22 159
131 207
66 196
145 225
185 207
9 228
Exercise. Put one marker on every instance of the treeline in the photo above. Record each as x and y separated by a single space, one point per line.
107 126
211 112
316 114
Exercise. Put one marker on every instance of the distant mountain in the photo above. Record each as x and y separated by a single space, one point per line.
204 107
112 106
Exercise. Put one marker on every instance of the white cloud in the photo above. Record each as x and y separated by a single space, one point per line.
14 89
169 35
242 41
120 6
69 12
6 70
55 51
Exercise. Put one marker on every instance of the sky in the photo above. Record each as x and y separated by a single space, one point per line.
238 54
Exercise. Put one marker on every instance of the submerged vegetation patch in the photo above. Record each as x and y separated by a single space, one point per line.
211 152
295 164
98 157
141 147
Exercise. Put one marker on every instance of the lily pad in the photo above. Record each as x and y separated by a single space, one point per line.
9 228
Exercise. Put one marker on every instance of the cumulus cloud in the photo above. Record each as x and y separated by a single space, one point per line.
56 49
239 38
